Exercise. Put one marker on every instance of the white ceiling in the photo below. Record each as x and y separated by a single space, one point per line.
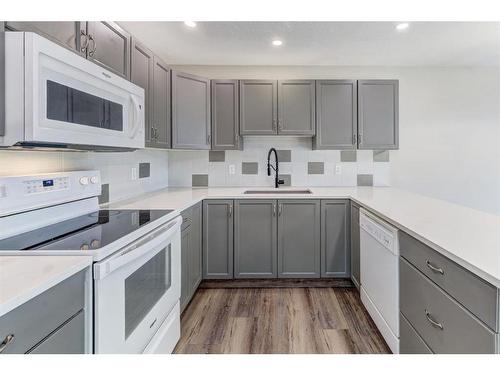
323 43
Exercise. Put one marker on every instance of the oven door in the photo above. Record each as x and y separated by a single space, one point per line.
135 289
70 100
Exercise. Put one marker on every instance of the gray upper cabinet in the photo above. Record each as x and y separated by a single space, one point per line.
70 34
218 239
355 265
299 238
109 47
190 112
160 118
258 107
335 238
378 114
225 116
296 107
255 242
336 115
141 73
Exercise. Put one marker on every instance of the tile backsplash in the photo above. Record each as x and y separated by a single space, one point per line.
299 165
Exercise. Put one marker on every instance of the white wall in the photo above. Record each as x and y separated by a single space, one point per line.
449 125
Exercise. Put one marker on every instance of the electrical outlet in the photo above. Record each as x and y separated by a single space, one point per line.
133 173
338 169
232 169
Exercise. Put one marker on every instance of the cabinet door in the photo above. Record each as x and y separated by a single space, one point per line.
296 107
218 239
2 79
335 239
336 115
109 47
70 34
161 104
141 73
258 107
185 250
225 120
299 238
355 265
195 259
190 111
255 239
378 122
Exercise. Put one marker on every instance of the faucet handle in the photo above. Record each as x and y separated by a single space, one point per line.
281 182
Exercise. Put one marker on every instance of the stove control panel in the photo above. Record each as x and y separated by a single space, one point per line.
43 185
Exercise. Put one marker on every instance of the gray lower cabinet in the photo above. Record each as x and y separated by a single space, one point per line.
255 238
195 260
44 318
299 231
225 115
296 107
336 115
190 111
160 117
258 107
355 265
218 239
378 114
335 238
185 249
410 341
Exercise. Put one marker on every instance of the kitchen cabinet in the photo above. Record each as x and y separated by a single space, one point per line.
218 239
335 238
225 115
299 238
2 79
185 250
141 73
255 238
296 107
109 47
355 251
378 114
336 115
190 112
160 118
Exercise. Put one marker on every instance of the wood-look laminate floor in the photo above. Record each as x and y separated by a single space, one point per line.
278 320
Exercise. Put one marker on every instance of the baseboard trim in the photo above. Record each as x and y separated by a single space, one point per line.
277 283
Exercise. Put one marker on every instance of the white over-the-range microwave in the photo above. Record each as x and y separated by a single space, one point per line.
55 98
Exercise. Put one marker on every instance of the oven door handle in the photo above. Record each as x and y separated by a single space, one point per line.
137 249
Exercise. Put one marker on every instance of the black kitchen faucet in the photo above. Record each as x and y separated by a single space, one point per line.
277 181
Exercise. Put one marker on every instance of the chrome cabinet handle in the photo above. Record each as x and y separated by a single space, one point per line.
280 209
354 139
434 268
94 45
274 210
152 133
209 139
230 210
84 35
6 341
432 321
360 138
274 124
280 124
236 139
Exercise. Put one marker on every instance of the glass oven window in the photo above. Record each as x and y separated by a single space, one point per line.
145 287
77 107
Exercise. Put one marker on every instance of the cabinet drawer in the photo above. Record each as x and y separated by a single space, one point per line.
36 319
442 323
68 339
409 340
478 296
187 217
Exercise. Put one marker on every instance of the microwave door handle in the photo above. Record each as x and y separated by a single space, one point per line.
129 253
135 117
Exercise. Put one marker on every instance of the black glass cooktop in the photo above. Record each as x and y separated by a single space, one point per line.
83 233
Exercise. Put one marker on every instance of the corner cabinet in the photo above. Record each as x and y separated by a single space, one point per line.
190 112
225 115
378 114
355 252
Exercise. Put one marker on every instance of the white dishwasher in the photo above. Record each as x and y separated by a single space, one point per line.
379 269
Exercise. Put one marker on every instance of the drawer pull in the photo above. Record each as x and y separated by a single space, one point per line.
8 339
434 268
432 321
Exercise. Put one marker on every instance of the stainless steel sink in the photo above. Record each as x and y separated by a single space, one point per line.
279 191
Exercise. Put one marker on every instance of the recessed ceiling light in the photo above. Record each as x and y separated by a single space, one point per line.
277 42
402 26
191 24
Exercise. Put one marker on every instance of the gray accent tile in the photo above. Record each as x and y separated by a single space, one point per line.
144 170
348 155
315 167
284 156
217 156
249 168
104 197
199 180
287 178
380 155
365 180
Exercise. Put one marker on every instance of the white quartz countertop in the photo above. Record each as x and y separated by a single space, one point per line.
467 236
24 277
